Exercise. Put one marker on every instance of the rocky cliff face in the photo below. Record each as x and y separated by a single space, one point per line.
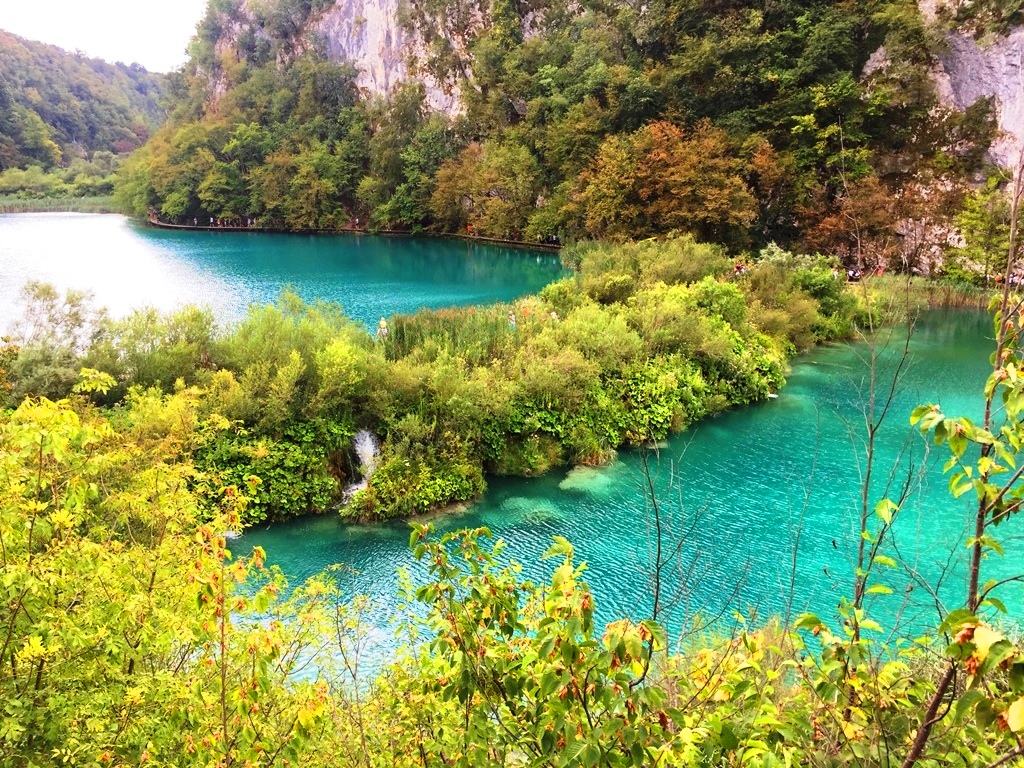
969 70
367 33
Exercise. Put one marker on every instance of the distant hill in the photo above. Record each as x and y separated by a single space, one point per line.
56 106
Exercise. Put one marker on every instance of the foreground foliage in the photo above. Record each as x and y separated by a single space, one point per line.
132 636
121 640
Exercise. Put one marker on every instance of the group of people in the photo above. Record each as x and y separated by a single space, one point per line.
232 223
853 274
214 223
1014 280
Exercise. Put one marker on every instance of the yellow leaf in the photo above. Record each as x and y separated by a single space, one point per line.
851 730
32 650
1015 716
62 518
984 638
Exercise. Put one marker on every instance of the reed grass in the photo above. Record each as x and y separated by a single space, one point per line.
476 334
104 204
894 296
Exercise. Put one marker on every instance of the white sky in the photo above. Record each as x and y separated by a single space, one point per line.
153 33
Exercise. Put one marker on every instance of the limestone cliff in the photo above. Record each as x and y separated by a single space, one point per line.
994 68
365 33
368 34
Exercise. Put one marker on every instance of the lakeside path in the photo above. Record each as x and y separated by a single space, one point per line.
551 248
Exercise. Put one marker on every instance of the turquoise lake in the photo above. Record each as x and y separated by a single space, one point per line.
751 492
746 490
127 265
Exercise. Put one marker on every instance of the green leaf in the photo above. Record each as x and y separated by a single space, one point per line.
728 738
925 417
808 621
573 751
998 653
261 601
1016 677
967 702
418 532
636 753
956 619
993 544
561 575
547 741
996 603
884 509
560 547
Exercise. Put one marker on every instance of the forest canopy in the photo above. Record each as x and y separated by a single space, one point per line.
730 122
56 106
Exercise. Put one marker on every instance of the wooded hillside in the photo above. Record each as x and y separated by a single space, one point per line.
56 106
730 121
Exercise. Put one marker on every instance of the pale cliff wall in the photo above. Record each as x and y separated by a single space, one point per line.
367 34
969 71
993 68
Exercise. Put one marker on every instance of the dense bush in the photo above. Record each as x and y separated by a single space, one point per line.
286 475
565 377
79 178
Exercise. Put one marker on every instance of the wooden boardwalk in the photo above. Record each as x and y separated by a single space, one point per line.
549 247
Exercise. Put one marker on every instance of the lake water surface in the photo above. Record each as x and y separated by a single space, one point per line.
764 499
127 265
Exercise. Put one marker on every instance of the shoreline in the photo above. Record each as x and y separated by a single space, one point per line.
101 205
460 507
357 231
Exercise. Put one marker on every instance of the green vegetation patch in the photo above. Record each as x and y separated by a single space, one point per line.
641 342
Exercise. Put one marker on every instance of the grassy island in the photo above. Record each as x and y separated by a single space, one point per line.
641 341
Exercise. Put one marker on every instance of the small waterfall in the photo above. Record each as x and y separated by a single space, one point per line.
367 448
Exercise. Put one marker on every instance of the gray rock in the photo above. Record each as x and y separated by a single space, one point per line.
367 33
969 70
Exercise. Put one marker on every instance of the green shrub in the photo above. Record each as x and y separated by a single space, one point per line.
293 472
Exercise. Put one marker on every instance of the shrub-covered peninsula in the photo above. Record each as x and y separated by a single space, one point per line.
639 342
